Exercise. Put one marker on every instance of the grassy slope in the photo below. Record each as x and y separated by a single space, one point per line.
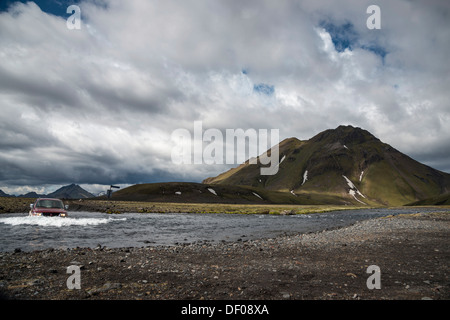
199 193
442 200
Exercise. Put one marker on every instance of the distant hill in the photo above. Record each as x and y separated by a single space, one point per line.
72 191
3 194
31 195
347 163
189 192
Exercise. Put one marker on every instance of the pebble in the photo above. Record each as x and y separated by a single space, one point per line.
106 287
35 282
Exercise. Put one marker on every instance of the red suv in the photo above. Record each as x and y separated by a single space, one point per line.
48 207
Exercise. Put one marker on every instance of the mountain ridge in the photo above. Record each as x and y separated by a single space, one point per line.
71 191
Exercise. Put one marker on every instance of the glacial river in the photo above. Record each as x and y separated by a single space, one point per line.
89 229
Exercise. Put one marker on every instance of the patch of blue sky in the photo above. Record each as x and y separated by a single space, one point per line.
345 36
54 7
263 88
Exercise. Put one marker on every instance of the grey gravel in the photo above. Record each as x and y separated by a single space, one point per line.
412 252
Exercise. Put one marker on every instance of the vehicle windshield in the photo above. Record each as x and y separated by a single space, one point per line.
50 204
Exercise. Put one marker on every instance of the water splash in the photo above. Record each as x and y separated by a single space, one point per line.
57 221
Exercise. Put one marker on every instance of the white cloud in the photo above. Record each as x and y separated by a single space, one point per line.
98 105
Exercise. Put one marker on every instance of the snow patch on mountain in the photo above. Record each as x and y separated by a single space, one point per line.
353 193
305 177
212 191
353 190
257 195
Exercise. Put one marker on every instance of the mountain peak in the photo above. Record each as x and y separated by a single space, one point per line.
72 191
345 134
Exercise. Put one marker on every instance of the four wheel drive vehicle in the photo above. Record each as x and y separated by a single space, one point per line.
48 207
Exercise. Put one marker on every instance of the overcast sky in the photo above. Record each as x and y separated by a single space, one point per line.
97 106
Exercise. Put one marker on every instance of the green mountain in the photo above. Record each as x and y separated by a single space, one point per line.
346 163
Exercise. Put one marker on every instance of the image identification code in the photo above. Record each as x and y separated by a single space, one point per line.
229 309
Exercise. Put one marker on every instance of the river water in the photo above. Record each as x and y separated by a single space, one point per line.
89 229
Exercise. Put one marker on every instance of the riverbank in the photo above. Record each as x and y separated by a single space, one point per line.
412 252
22 205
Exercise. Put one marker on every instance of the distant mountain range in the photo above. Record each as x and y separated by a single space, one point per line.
72 191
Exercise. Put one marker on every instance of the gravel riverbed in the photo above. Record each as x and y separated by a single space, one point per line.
412 252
